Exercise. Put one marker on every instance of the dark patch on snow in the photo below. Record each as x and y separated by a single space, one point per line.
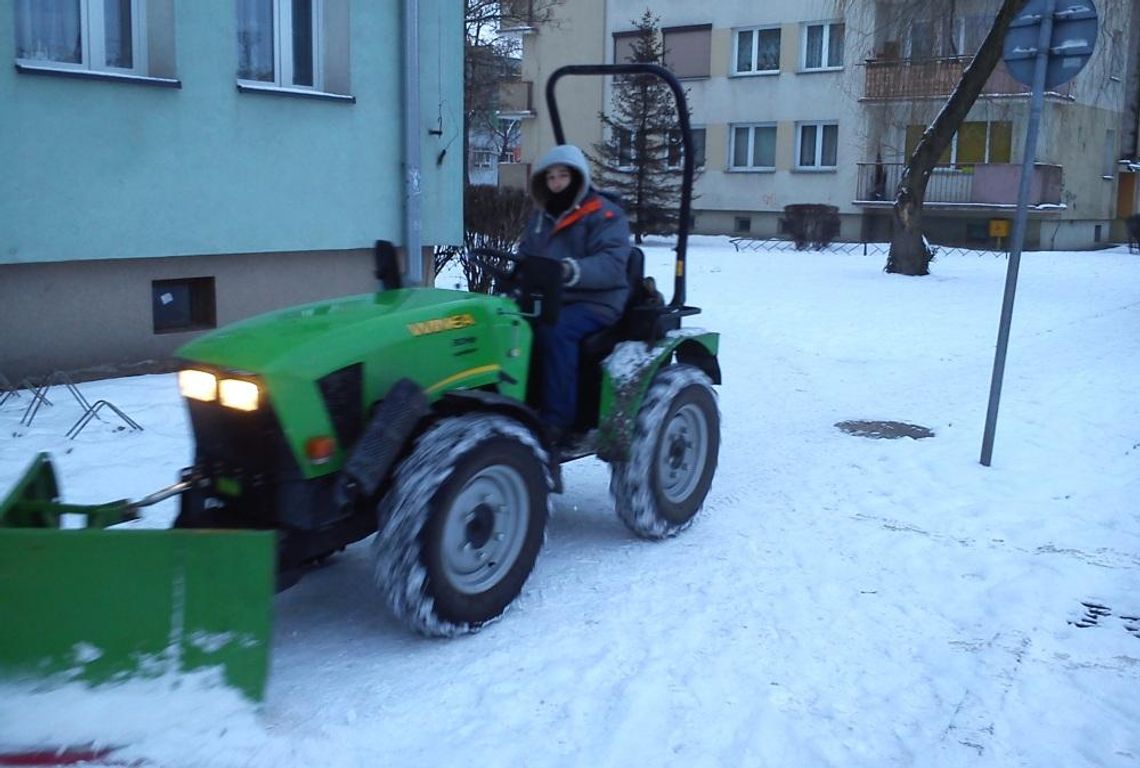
1092 615
885 430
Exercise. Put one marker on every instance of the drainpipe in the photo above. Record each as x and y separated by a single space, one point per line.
412 191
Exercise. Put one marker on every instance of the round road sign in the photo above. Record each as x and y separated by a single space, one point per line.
1070 47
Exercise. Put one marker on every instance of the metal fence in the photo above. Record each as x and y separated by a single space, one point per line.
877 250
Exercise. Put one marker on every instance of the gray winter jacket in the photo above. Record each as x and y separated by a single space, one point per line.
592 236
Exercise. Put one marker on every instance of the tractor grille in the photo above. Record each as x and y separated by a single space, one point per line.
342 391
249 442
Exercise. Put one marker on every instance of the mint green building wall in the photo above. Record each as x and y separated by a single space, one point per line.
108 187
100 169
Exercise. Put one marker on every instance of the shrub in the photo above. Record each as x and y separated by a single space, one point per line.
813 224
492 218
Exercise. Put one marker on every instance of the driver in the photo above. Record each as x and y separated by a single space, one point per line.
589 234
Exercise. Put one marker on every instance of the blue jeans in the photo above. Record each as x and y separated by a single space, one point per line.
559 348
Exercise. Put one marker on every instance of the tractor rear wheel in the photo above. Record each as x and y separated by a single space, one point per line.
462 525
673 455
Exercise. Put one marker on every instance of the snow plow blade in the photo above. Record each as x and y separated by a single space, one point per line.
101 606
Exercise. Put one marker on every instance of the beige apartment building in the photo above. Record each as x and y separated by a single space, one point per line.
821 101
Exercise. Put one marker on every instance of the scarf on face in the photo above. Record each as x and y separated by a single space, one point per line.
557 203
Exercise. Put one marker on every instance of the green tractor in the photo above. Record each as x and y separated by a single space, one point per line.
410 413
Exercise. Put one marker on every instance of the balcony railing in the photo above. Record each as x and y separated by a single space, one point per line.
515 97
517 15
984 184
932 78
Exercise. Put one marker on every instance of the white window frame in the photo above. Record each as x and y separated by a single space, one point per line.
283 74
752 128
819 125
93 41
755 31
825 50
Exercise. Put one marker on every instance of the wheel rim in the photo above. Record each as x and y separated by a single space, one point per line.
682 453
485 529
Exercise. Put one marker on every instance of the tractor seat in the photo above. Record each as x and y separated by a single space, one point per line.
599 344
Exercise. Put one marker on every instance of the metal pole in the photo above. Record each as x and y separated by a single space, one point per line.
1044 42
412 190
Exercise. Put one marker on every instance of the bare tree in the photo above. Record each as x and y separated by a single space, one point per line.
491 59
894 23
909 252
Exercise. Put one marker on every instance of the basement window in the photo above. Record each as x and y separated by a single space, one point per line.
186 304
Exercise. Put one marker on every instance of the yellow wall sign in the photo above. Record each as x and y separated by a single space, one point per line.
999 227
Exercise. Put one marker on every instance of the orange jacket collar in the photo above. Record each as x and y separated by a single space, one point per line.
585 209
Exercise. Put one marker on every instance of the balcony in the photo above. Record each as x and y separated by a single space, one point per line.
516 98
911 79
986 185
517 17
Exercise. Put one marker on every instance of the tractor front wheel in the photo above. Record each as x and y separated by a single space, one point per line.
673 455
462 525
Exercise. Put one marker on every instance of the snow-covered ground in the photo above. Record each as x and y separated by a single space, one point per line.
841 601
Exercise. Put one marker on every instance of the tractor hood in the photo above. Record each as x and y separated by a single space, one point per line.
303 336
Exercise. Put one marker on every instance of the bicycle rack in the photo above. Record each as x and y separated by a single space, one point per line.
93 412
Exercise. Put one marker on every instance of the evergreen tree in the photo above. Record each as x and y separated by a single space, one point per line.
639 160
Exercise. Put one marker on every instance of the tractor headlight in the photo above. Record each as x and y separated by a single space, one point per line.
239 394
198 385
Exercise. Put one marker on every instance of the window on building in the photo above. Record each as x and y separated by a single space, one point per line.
183 305
756 50
817 145
742 225
974 29
1110 154
99 35
624 138
675 149
823 45
688 50
753 147
484 158
975 142
947 37
298 45
278 42
922 40
624 43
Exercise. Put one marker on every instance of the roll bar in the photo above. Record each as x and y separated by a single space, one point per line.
678 299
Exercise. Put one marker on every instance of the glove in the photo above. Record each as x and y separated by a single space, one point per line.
538 271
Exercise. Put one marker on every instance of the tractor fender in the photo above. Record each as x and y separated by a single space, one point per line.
626 375
469 400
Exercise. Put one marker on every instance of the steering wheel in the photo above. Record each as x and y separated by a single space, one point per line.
535 282
491 260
